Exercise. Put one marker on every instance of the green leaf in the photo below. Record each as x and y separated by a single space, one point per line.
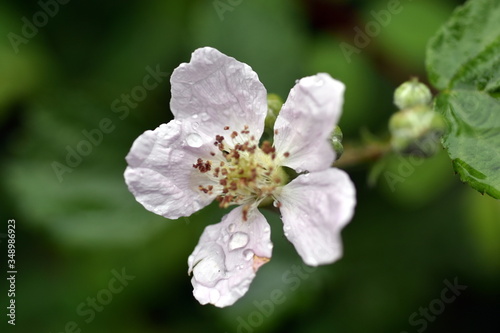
463 60
468 33
473 140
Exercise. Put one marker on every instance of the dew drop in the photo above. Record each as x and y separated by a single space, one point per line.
267 229
231 227
286 234
287 228
194 140
195 116
237 240
196 125
205 117
275 203
248 254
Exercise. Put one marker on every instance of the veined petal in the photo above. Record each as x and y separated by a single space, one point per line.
305 122
315 207
160 170
219 91
227 256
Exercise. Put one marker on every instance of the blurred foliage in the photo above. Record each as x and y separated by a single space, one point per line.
74 233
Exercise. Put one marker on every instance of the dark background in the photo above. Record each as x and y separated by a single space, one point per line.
75 233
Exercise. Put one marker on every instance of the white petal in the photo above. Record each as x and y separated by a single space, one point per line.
160 170
306 120
315 207
220 91
229 253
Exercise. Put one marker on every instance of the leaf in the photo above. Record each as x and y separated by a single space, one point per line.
463 60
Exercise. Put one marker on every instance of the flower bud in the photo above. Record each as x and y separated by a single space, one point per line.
416 131
412 93
274 104
336 139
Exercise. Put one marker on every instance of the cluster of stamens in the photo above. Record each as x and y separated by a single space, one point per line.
245 173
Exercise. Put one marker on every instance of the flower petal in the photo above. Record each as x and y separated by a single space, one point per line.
315 207
218 91
229 253
305 122
160 170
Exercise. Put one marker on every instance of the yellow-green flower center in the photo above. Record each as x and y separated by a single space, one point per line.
246 174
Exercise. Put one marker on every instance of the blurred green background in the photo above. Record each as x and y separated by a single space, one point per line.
76 232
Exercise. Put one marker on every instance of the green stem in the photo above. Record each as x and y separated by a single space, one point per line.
356 154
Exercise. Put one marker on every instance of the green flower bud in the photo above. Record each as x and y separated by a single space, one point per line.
336 139
412 93
416 131
274 103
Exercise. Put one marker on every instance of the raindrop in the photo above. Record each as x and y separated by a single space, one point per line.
205 117
267 229
196 125
248 254
286 234
287 228
237 240
195 116
275 203
194 140
231 227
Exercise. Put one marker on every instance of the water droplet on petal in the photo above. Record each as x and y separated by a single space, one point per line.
267 229
195 116
286 234
231 227
275 203
196 125
194 140
205 117
287 228
248 254
237 240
